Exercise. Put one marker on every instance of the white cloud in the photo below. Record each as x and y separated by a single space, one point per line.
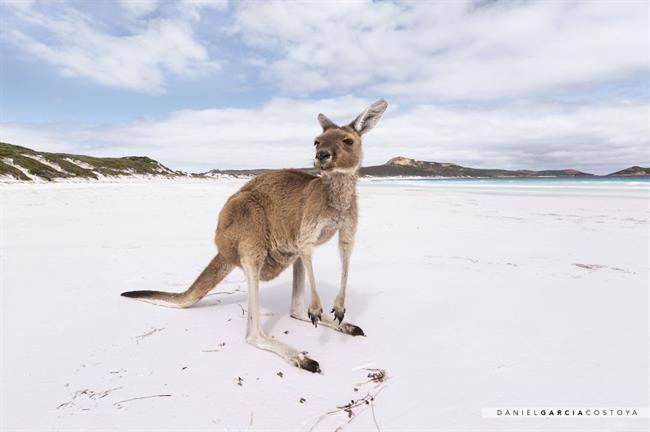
138 8
139 60
448 50
501 54
19 4
599 138
419 51
193 7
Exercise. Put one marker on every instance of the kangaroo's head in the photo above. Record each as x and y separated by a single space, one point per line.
338 148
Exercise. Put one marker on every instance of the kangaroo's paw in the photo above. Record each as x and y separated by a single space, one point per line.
315 314
339 313
303 362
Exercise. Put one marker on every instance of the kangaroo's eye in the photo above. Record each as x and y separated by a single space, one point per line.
348 141
316 142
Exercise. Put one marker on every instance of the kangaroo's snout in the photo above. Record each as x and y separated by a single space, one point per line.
323 155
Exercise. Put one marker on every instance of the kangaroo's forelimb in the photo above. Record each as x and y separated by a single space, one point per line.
346 243
214 273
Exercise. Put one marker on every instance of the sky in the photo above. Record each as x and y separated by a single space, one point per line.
209 84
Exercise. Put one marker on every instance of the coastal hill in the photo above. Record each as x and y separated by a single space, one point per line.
402 166
634 171
22 163
405 167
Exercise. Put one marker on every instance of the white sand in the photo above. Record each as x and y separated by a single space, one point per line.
470 297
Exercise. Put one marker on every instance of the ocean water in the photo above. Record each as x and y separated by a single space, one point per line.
643 182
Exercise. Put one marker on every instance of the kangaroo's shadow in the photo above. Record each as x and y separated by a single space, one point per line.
276 297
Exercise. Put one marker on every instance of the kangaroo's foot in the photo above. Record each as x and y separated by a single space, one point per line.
315 313
343 327
291 355
339 312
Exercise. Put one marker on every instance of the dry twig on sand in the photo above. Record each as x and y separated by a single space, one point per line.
119 404
374 376
90 394
243 311
219 346
147 334
364 402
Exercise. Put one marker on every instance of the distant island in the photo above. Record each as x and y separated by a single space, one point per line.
401 166
635 171
24 164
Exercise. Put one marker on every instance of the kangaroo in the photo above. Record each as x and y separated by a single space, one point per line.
275 220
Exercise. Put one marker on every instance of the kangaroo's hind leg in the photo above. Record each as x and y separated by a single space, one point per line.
298 307
255 334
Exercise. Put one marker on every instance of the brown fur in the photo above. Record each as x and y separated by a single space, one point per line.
276 219
275 213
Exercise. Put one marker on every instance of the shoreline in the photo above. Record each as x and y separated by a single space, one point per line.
366 179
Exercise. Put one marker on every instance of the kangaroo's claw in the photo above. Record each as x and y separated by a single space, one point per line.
339 313
315 316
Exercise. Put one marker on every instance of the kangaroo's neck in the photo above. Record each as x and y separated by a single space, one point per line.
340 189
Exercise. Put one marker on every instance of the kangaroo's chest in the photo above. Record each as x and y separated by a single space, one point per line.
327 231
329 223
328 207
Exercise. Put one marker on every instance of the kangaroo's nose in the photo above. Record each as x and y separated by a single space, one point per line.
323 155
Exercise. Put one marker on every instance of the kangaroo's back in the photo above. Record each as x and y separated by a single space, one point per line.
282 195
279 183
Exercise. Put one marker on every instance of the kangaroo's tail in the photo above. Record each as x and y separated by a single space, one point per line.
214 273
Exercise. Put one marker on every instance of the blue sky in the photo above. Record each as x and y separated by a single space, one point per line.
208 84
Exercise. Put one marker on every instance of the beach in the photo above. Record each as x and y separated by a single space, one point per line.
473 295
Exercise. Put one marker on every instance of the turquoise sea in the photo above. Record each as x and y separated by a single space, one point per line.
522 181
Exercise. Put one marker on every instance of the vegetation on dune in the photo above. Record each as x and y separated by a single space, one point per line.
72 165
7 150
37 168
69 167
129 164
11 171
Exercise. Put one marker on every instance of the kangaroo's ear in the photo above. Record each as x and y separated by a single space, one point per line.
325 122
370 117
